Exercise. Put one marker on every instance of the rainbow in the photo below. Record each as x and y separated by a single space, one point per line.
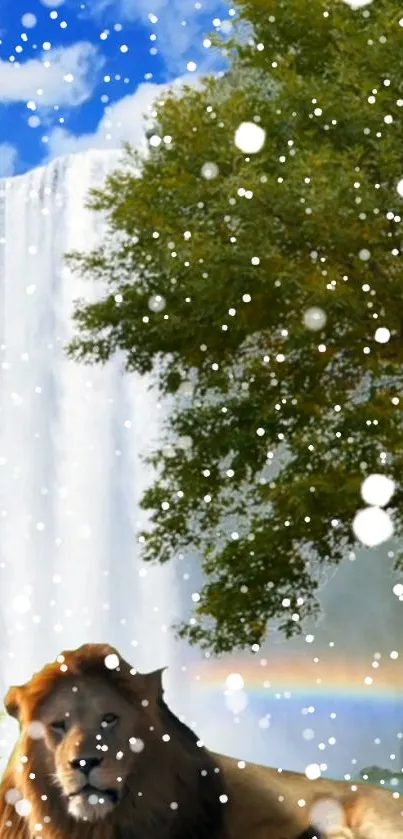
335 678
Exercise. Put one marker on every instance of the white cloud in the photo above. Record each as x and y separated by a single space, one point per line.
124 121
66 76
180 29
8 158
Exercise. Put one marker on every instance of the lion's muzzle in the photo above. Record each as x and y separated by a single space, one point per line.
87 788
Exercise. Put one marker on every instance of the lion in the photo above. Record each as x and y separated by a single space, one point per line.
101 756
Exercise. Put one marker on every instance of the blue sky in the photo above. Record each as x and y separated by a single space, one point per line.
76 75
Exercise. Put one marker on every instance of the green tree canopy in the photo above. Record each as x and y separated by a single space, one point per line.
376 775
212 261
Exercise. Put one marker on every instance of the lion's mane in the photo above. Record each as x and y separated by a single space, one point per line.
188 775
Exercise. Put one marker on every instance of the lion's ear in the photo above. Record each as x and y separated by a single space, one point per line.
154 684
12 702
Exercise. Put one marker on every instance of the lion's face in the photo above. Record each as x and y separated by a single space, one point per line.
93 741
99 744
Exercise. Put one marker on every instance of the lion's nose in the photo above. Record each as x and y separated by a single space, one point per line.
85 764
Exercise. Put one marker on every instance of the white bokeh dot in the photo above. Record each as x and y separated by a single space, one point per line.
372 526
234 681
111 661
209 171
29 20
382 335
36 730
313 771
136 745
314 318
249 137
377 490
327 815
23 807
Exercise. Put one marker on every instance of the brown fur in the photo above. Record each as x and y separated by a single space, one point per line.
266 805
177 770
262 803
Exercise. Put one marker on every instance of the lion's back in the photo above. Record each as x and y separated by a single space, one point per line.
281 804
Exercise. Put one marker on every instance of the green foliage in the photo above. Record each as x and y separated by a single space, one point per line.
381 777
274 426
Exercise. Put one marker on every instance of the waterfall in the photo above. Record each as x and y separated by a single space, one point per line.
72 439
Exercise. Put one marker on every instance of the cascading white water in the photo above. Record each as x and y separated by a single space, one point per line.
71 442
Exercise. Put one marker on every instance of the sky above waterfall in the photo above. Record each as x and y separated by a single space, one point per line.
76 75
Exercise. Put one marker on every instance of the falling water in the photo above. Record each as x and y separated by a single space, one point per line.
71 442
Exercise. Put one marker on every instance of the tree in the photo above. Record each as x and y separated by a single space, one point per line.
212 263
380 777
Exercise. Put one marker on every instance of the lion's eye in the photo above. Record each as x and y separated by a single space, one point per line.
108 720
59 727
